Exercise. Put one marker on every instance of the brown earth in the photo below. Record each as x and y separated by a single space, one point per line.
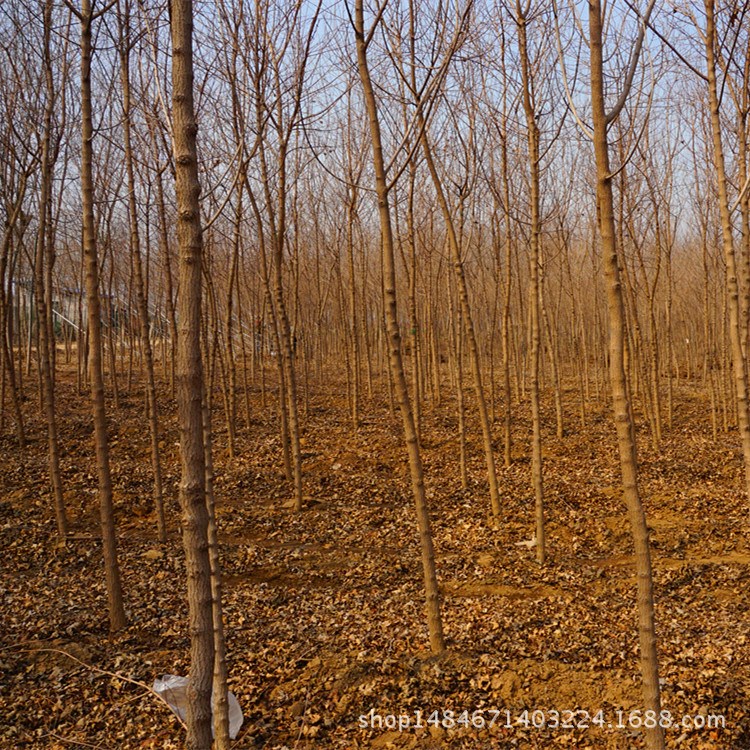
324 610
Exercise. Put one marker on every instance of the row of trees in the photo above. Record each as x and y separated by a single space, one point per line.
483 199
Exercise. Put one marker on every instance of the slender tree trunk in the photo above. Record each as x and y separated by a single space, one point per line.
736 337
43 237
135 248
352 197
286 350
219 699
167 260
532 135
229 329
269 305
111 323
463 297
190 384
620 396
456 358
410 265
6 332
553 346
507 420
96 375
434 620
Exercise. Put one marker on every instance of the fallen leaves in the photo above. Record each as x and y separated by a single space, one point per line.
324 608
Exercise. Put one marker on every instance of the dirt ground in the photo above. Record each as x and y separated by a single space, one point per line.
324 608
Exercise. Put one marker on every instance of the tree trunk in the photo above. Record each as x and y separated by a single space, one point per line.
739 363
620 395
47 341
195 517
117 618
434 620
532 135
463 298
135 248
219 699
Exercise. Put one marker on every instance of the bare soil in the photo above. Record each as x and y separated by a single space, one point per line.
324 608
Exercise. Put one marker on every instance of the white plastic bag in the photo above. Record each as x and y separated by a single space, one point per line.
174 691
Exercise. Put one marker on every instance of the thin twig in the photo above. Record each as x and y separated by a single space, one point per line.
119 676
74 742
304 712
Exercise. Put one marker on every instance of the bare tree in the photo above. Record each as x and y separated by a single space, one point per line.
117 620
135 248
420 92
195 515
737 335
363 38
522 16
602 119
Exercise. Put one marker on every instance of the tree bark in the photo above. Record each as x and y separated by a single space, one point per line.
195 517
532 136
463 298
117 618
620 396
739 364
46 337
434 621
135 248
